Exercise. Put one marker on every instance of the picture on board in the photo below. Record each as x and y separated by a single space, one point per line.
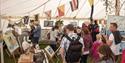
48 23
11 42
50 51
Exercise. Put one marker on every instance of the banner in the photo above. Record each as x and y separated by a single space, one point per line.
48 13
91 2
74 5
61 10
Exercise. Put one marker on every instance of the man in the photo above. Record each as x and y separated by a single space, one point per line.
114 39
36 32
65 43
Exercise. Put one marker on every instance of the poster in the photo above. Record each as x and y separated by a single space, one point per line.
50 51
48 23
120 20
10 41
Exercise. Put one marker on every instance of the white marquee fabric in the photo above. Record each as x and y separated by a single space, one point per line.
22 7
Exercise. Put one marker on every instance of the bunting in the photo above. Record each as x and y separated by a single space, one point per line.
91 2
61 10
48 13
74 5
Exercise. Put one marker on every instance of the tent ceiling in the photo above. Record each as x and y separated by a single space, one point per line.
23 7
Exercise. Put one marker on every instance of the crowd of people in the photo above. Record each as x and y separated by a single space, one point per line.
87 44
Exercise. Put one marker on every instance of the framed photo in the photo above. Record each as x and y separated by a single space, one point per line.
48 23
10 41
49 51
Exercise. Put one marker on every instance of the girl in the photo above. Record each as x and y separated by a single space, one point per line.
105 54
94 51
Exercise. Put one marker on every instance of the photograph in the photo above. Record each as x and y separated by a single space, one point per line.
48 23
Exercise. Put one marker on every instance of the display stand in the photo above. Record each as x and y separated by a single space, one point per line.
51 53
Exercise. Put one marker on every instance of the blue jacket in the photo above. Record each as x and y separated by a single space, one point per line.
37 31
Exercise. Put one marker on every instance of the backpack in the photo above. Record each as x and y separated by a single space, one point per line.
74 51
117 37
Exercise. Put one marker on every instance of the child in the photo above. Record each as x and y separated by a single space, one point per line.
106 55
95 46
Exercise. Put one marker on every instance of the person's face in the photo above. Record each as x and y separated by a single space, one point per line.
67 31
111 28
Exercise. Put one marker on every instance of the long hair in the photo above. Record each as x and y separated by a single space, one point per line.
106 51
103 39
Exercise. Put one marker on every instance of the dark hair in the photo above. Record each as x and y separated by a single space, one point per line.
70 27
56 27
114 24
95 21
106 51
86 31
31 21
103 39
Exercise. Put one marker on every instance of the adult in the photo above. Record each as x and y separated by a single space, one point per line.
65 45
53 37
114 39
36 32
87 39
94 28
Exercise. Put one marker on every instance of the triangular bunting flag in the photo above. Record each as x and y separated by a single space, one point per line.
74 4
61 10
91 2
48 13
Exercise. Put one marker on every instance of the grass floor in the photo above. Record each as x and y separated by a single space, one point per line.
9 59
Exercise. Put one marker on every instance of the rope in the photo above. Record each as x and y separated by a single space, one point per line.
37 7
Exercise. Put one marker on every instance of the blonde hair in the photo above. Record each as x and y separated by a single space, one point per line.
98 36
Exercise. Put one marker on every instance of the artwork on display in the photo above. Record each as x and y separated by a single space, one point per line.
26 19
48 23
120 20
73 23
10 41
50 51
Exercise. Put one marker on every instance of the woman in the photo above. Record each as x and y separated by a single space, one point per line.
53 37
88 43
106 55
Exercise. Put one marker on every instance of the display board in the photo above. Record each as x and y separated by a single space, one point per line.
120 20
10 41
48 23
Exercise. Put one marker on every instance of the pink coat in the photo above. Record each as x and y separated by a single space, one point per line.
94 50
123 57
